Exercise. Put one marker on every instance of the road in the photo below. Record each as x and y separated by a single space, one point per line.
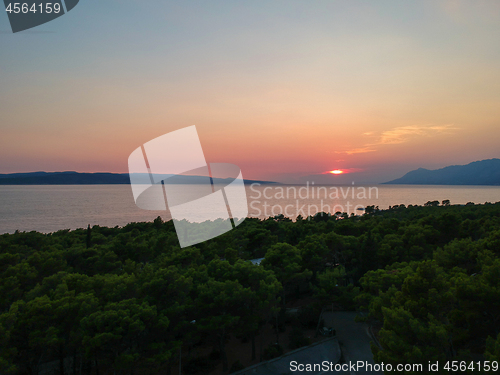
355 345
353 338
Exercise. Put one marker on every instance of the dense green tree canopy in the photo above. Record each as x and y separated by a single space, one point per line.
127 299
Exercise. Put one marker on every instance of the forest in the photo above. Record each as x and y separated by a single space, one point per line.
128 300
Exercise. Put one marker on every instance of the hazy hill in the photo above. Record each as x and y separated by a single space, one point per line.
484 172
76 178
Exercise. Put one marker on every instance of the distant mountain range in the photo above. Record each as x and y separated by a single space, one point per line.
76 178
484 172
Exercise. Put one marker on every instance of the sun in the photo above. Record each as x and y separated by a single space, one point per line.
336 171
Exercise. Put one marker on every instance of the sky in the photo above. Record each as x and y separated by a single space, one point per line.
286 90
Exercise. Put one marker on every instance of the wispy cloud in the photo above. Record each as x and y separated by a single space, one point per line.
360 150
404 133
399 135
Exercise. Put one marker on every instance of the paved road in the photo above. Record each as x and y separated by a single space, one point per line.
353 337
326 350
355 345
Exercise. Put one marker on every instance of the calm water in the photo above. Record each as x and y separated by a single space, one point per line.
51 208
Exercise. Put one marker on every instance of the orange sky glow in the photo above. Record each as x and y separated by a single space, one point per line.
282 91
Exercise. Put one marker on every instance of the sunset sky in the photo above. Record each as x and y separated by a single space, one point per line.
286 90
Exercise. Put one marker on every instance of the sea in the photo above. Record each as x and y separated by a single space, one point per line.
50 208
